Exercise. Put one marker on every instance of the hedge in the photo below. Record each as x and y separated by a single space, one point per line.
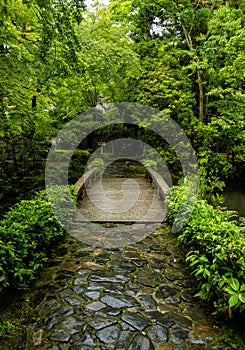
27 233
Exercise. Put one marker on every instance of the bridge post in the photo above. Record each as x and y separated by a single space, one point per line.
157 182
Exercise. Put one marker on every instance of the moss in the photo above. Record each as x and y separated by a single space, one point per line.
14 310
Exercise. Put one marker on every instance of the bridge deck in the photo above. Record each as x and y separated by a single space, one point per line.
120 200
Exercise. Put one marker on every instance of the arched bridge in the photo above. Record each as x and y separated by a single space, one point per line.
121 200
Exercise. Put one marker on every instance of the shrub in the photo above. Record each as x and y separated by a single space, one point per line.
27 232
215 246
78 164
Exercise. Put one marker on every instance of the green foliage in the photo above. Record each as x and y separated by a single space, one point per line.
223 53
149 162
97 163
27 35
6 327
54 64
231 337
215 246
78 164
27 232
192 67
182 57
62 200
108 56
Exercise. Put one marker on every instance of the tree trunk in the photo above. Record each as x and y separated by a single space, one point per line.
199 76
201 96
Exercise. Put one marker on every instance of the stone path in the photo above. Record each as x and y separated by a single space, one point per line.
138 297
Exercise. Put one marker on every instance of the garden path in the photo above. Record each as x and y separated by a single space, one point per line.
139 296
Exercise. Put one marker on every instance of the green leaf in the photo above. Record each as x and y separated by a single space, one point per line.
242 297
233 301
230 290
235 284
2 278
207 272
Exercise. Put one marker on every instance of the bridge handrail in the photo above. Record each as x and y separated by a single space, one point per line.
161 186
94 173
87 178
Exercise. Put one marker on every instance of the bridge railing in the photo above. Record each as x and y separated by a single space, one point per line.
159 184
86 180
92 175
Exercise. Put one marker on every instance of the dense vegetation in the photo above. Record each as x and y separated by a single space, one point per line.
185 58
28 232
214 240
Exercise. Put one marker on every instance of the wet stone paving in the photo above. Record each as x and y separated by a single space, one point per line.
137 297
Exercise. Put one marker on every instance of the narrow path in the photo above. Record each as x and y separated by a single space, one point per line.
121 200
138 297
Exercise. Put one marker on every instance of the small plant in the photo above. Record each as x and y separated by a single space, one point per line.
63 202
236 294
97 162
6 327
149 162
234 339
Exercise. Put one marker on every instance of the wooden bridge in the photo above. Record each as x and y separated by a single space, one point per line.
121 200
